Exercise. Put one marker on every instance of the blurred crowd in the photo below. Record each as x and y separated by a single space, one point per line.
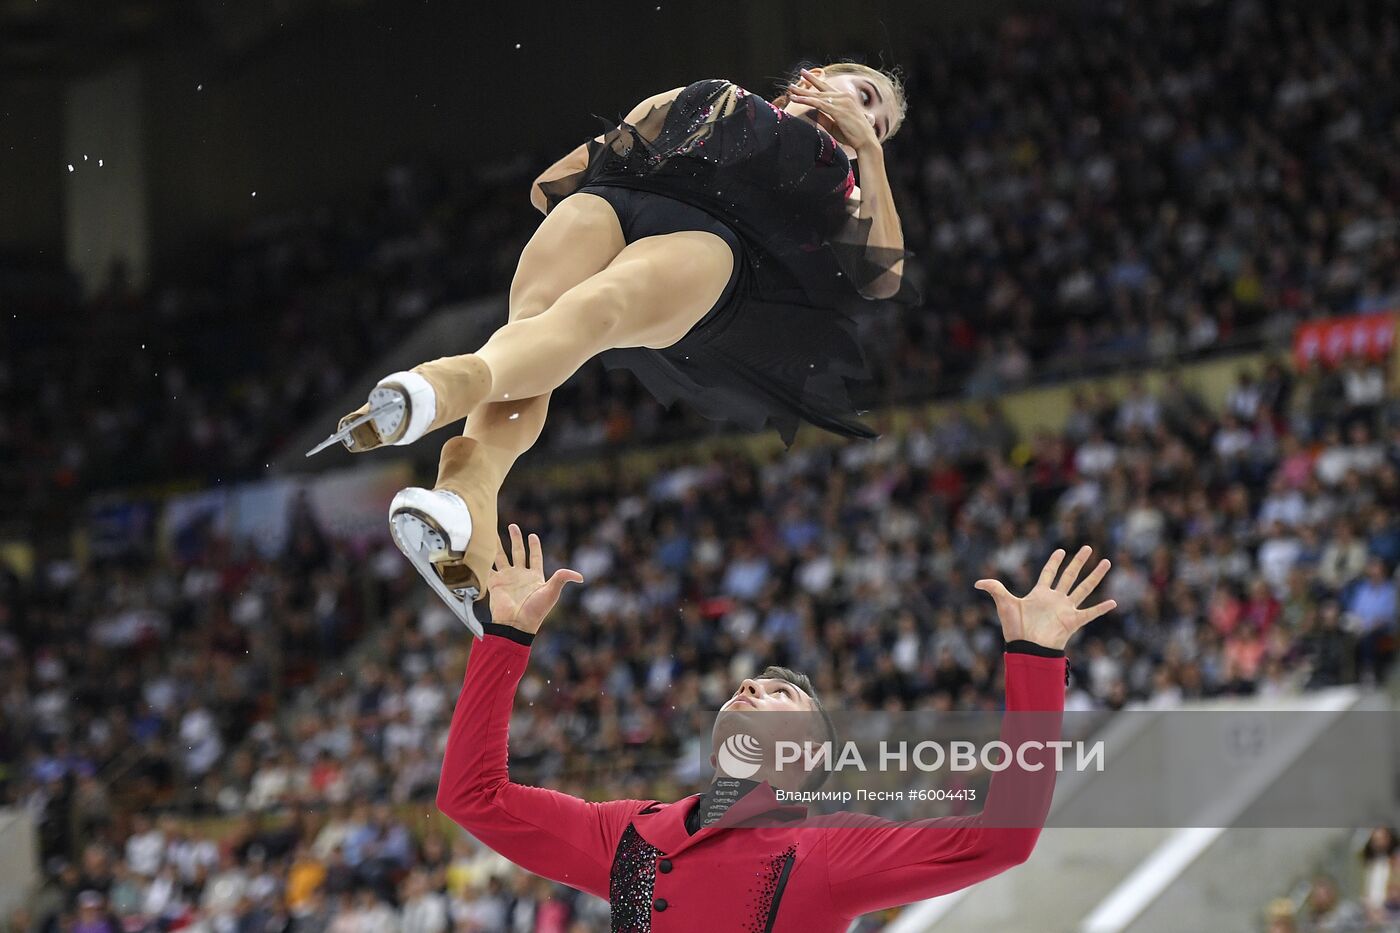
346 870
1255 552
1320 906
1122 182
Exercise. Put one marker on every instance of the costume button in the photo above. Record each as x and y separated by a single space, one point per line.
665 866
659 904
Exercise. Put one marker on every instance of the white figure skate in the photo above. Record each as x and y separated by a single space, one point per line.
401 409
433 527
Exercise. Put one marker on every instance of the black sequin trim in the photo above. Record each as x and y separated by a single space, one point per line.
771 881
633 883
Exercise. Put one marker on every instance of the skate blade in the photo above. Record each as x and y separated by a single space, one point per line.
420 542
340 437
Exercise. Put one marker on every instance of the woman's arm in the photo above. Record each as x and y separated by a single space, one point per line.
875 202
572 163
883 243
577 160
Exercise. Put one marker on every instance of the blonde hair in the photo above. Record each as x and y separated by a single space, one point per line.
891 78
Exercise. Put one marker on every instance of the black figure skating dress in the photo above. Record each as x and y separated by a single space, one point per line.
778 348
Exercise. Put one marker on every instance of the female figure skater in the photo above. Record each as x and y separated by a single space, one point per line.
707 243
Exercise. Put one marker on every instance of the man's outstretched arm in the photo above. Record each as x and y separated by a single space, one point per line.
555 835
875 863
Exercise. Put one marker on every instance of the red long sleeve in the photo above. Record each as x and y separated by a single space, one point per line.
875 863
551 834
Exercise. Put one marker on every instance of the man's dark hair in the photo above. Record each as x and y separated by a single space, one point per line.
804 683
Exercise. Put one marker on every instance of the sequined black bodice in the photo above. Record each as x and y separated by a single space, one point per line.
740 158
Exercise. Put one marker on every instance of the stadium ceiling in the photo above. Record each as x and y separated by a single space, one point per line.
68 38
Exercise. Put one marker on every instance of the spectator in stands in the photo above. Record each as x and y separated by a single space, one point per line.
1377 861
1372 609
424 910
1325 912
1389 912
1279 917
92 915
20 920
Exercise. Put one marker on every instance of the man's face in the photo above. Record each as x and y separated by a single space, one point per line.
768 694
748 716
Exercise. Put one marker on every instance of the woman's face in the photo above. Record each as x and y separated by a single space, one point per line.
875 96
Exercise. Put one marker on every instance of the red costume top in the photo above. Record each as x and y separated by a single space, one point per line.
774 877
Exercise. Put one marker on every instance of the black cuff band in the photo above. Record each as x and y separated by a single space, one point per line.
507 631
1020 646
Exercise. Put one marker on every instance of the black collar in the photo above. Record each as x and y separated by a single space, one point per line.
722 794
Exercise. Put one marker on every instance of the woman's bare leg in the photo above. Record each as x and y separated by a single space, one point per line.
474 467
651 294
575 241
584 292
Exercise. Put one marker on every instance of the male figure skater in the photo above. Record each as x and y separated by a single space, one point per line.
715 863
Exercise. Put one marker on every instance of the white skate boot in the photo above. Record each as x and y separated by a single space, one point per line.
433 528
400 410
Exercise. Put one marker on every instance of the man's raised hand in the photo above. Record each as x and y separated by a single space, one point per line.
1049 614
520 595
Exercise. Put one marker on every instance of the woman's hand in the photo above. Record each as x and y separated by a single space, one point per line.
1049 614
520 595
849 124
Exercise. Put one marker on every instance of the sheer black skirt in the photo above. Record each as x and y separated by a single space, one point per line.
751 363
